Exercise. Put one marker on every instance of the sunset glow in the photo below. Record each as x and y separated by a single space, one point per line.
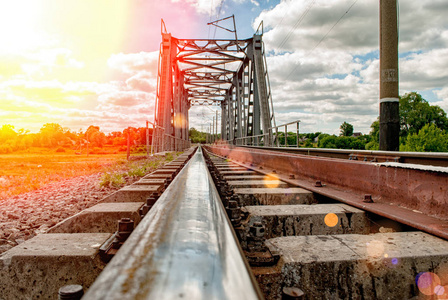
79 63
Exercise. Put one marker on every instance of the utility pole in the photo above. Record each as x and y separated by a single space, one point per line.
216 125
389 97
213 129
147 139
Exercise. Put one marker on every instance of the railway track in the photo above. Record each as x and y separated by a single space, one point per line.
256 224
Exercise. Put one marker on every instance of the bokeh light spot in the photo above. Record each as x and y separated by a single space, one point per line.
394 261
271 180
427 282
375 248
331 219
439 290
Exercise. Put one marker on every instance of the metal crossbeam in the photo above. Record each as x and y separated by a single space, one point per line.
229 73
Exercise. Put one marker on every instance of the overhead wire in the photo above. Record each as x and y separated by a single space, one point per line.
323 38
217 16
296 25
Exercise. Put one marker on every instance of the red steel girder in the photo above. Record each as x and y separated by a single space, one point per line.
415 197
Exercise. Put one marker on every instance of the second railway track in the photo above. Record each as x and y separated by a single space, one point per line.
297 240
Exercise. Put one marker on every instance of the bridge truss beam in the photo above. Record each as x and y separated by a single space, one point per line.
230 73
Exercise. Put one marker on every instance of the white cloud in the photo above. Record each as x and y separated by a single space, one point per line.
326 81
133 63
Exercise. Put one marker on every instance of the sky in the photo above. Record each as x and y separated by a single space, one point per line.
94 62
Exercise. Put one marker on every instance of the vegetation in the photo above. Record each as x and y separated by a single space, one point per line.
346 129
23 171
53 135
197 136
428 139
115 176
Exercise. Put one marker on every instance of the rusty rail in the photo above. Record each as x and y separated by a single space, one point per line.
184 247
414 195
422 158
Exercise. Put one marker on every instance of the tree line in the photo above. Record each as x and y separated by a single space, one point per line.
53 135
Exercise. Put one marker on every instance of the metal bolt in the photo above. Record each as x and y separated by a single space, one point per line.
233 204
125 227
368 198
257 229
70 292
290 293
125 224
318 184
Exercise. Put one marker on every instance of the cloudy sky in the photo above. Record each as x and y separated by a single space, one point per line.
94 62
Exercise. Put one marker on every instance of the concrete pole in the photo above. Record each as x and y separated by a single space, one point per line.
147 139
389 97
213 129
216 125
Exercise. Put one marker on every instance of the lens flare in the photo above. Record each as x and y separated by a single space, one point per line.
375 248
271 181
427 283
439 290
331 220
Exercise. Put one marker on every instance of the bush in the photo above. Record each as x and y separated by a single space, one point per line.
429 139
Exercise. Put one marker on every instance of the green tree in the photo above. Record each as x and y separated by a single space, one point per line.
429 139
346 129
197 136
374 143
416 112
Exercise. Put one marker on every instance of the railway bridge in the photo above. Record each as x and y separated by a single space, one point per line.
241 218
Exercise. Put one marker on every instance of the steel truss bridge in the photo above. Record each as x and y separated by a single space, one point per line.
229 73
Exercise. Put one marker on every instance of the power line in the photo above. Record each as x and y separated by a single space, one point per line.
296 25
328 32
217 17
335 25
211 9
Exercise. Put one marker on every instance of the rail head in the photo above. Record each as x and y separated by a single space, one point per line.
423 158
183 248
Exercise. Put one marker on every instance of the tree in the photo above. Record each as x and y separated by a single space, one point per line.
374 143
429 139
346 129
95 136
416 112
197 136
7 132
51 135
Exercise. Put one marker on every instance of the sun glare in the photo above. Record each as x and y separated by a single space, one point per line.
19 25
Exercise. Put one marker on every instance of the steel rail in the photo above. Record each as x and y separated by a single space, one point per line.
185 248
422 158
410 194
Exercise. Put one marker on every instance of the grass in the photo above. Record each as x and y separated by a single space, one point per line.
30 170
